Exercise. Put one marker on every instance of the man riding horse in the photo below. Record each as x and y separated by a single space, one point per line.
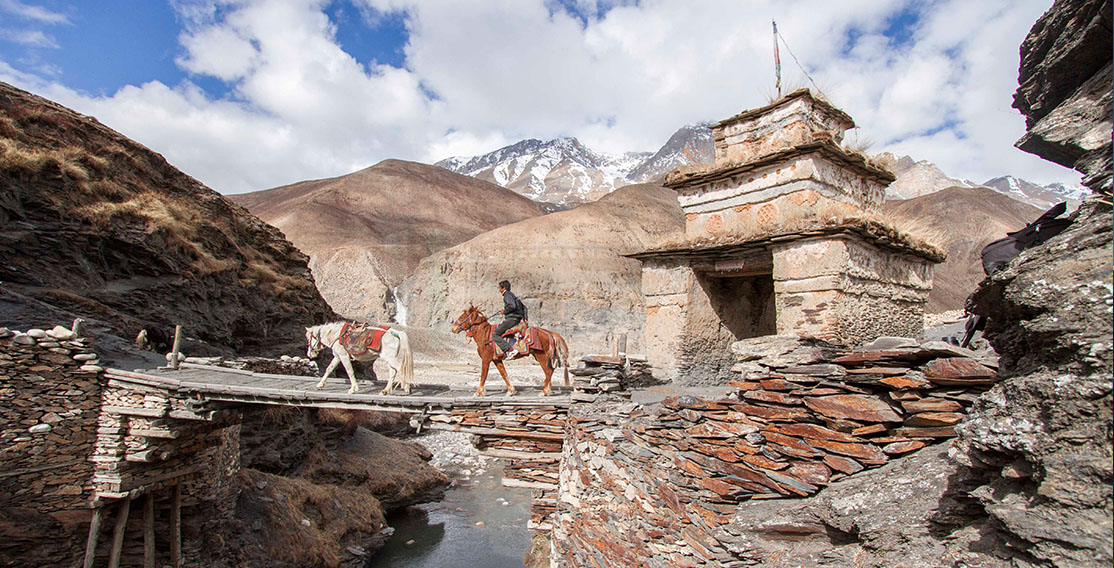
514 312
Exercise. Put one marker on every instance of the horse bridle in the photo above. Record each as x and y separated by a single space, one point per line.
471 321
316 345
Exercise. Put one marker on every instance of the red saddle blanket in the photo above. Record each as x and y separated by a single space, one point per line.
523 341
358 338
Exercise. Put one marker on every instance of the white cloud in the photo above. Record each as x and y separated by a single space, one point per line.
617 75
30 38
31 12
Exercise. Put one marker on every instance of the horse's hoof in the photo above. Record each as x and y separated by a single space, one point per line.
545 392
353 390
406 390
511 392
479 393
384 391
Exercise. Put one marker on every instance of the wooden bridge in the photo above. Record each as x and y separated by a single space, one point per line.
207 386
160 429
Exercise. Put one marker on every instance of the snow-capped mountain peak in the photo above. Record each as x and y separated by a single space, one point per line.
1040 196
566 172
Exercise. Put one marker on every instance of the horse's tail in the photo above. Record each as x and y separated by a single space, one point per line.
562 352
405 357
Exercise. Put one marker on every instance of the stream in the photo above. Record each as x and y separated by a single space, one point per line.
479 522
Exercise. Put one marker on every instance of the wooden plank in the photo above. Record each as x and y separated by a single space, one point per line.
135 411
94 533
496 432
118 532
176 527
518 454
175 352
149 530
529 484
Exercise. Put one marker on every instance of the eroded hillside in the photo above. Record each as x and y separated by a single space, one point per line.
366 231
106 228
567 267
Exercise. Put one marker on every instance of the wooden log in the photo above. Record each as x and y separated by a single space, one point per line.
91 542
177 344
149 530
118 532
176 527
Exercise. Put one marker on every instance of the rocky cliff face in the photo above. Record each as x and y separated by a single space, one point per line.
1040 446
1065 92
101 225
565 266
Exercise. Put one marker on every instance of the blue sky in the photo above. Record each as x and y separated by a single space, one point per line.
251 94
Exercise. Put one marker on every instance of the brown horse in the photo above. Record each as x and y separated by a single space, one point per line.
550 352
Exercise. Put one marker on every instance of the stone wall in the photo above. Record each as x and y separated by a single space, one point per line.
660 485
770 198
793 120
849 291
49 400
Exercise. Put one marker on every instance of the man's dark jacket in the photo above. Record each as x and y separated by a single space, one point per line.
513 307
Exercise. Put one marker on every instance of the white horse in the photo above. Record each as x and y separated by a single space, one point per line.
394 349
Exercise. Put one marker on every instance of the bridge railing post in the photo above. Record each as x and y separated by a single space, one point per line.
177 344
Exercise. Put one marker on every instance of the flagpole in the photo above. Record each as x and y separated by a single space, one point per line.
777 61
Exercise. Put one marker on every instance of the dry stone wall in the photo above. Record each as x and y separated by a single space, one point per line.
49 400
659 485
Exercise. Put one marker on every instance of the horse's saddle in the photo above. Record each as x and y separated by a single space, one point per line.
525 337
359 338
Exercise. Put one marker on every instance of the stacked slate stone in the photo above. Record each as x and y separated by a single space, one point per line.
49 398
147 440
598 373
802 415
527 435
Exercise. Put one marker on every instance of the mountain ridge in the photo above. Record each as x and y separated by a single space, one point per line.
565 172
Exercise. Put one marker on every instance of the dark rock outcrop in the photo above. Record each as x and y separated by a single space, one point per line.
314 490
1065 89
103 227
1039 444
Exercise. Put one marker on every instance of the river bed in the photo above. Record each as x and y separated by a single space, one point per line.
479 522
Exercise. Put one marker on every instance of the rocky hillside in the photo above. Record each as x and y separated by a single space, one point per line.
366 231
915 178
565 266
105 228
963 220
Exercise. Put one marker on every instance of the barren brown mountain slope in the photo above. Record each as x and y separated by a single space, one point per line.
102 226
366 231
966 219
565 266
